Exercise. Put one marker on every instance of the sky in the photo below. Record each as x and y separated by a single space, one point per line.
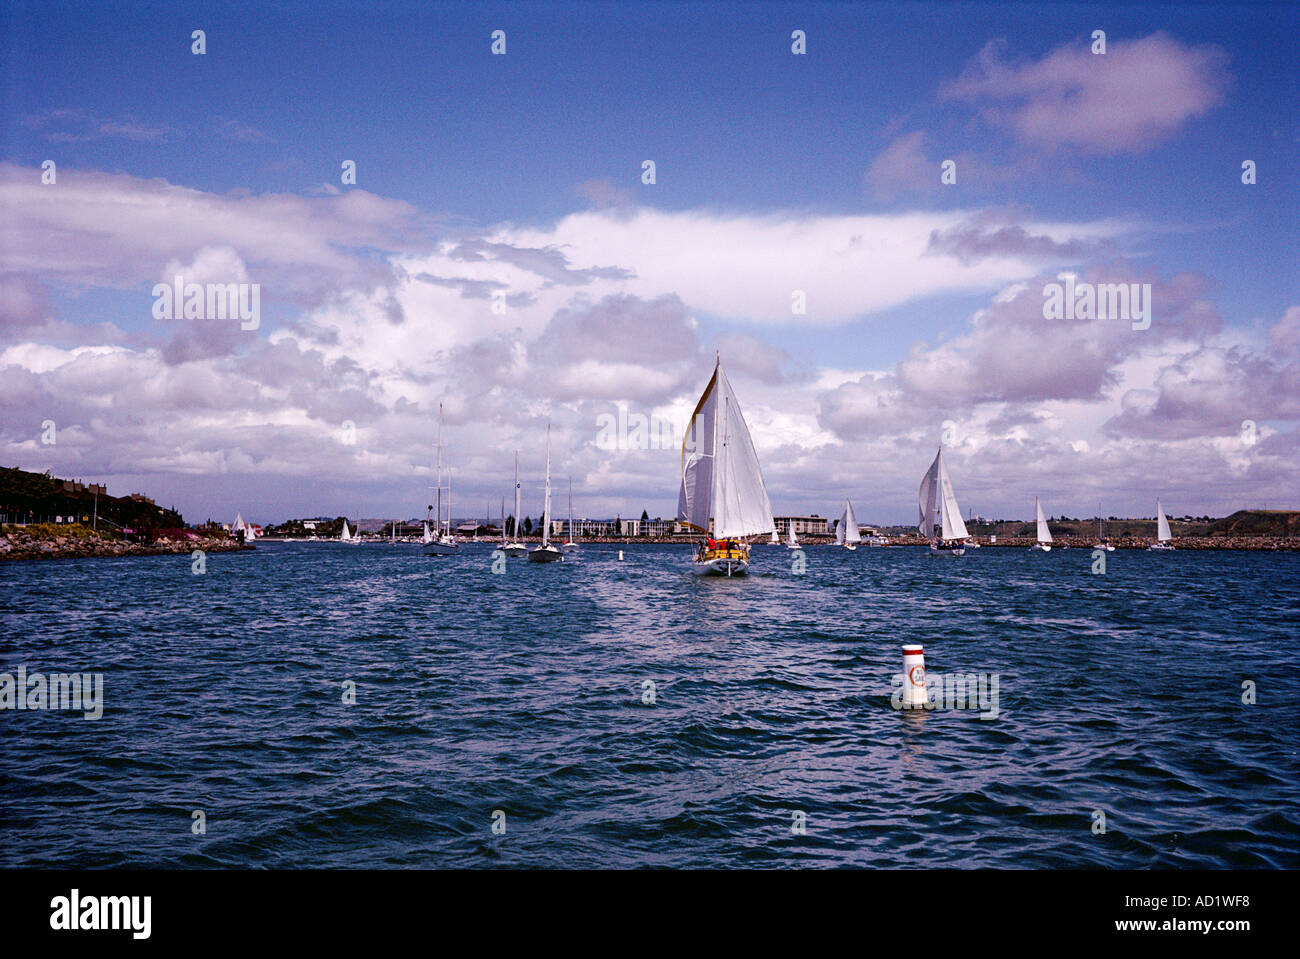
500 252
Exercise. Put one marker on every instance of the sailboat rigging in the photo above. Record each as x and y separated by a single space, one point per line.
941 521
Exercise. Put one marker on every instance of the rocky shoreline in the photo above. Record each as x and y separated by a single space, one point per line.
17 543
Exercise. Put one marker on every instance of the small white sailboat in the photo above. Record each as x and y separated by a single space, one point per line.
572 541
877 540
441 542
1044 535
514 548
1102 542
722 493
246 528
847 534
775 540
1163 533
791 540
941 521
547 552
347 536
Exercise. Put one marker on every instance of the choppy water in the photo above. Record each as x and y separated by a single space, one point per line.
522 692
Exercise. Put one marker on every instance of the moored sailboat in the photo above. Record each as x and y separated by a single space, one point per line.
547 552
1043 534
514 548
847 534
722 493
941 521
1102 542
1163 533
442 542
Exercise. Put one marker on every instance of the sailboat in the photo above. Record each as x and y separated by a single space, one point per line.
791 540
775 540
571 542
1102 541
722 493
1163 533
547 553
515 548
846 530
441 543
1044 535
941 521
346 535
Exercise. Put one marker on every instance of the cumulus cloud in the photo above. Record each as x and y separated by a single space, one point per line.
1135 96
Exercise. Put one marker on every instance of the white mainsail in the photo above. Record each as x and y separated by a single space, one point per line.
722 483
1163 533
791 539
940 514
1044 534
346 535
846 531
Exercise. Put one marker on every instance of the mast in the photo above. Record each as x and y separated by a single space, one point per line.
438 474
516 531
571 510
503 521
546 508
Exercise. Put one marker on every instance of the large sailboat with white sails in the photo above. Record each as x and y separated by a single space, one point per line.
722 493
941 521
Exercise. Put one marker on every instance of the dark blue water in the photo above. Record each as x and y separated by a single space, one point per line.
522 692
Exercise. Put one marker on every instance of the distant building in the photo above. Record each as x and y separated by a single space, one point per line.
813 525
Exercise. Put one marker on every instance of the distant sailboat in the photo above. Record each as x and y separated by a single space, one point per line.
1102 541
775 540
1163 533
346 535
547 553
722 493
1044 535
791 540
846 530
571 542
441 543
515 547
941 521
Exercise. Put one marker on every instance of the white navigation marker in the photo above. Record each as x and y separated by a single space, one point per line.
914 695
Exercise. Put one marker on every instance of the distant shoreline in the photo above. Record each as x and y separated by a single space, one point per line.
1226 543
16 543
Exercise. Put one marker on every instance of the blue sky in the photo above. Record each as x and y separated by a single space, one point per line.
475 144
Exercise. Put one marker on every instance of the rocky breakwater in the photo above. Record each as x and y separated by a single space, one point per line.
48 541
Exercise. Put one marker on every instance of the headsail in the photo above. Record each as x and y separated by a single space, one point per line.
1163 533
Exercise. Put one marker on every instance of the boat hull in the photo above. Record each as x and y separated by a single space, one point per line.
546 554
721 562
515 550
1160 548
1040 548
947 550
441 549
